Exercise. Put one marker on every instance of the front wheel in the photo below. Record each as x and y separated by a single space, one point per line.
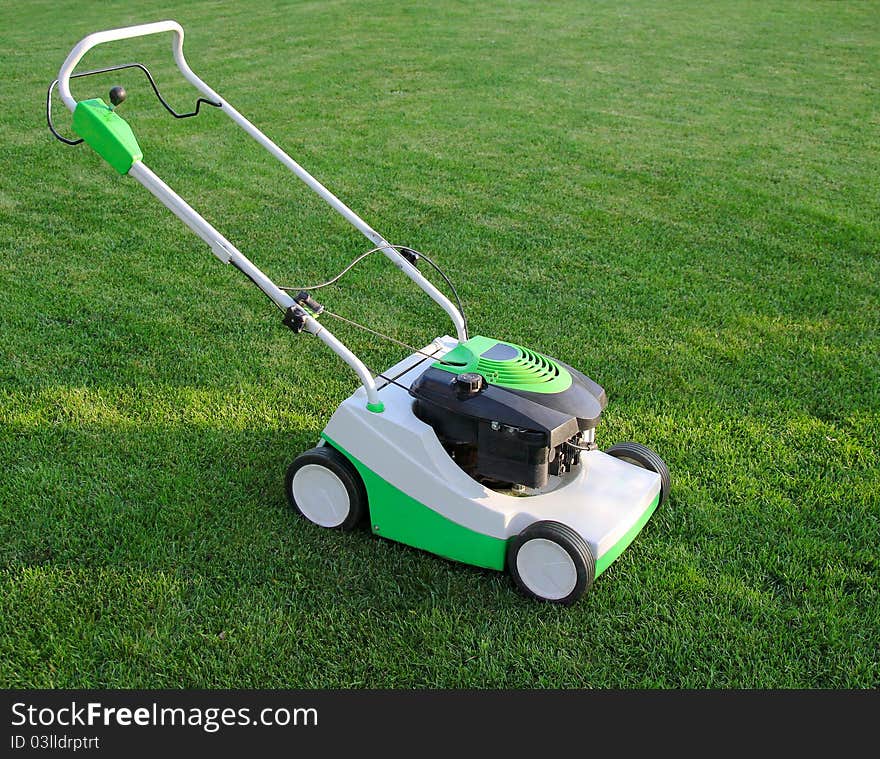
326 489
549 561
641 455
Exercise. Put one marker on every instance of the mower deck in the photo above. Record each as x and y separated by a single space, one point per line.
419 496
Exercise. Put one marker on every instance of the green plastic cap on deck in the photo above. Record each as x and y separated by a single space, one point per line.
107 133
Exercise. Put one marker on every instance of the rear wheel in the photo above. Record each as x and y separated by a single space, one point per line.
326 489
641 455
549 561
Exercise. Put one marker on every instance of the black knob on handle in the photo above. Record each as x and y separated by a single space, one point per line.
117 95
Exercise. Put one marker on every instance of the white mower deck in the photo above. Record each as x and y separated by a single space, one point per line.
606 500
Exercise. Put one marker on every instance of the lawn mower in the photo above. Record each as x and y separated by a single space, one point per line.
478 450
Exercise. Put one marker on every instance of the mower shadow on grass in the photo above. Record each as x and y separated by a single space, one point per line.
190 500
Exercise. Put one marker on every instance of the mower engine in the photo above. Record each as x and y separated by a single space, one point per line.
506 414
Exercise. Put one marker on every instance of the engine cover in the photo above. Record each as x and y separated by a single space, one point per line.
505 412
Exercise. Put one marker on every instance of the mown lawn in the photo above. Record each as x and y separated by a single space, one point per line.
679 198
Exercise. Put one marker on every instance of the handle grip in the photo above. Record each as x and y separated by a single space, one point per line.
124 33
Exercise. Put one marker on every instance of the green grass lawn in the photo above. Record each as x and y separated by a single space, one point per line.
681 199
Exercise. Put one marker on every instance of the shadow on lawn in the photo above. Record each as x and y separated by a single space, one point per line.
203 504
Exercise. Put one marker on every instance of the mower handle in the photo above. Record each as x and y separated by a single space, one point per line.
200 226
124 33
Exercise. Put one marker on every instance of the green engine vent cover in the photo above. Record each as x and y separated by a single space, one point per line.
507 365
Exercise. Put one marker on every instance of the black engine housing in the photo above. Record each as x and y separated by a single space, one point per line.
503 434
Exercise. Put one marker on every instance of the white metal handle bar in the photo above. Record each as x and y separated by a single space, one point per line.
221 247
111 35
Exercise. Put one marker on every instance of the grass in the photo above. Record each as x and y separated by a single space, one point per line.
679 199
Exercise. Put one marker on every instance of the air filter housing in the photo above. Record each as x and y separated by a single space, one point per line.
505 412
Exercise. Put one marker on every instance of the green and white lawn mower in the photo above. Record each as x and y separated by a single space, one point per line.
475 449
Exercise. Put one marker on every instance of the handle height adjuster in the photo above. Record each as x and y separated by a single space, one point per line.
295 319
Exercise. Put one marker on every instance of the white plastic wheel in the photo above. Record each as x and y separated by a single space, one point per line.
546 569
321 495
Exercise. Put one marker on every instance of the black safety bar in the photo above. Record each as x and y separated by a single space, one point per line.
121 66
